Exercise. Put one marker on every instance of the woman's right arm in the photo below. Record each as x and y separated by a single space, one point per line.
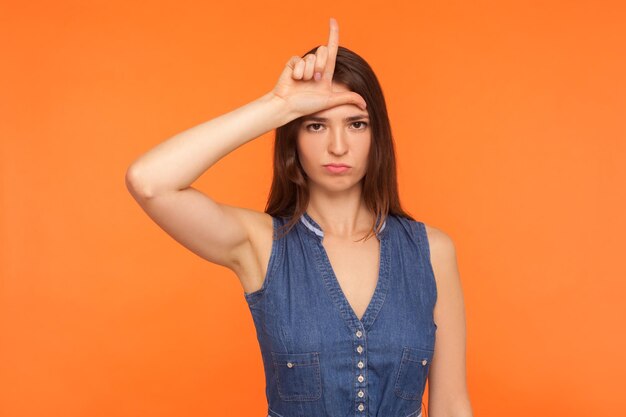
160 180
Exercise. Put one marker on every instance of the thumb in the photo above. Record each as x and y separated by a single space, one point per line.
346 97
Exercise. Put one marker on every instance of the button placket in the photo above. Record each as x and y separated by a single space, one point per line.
361 388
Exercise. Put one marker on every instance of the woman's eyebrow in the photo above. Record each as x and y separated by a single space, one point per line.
324 119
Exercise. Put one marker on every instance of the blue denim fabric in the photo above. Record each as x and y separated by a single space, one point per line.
319 359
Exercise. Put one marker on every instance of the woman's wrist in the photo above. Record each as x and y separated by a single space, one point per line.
280 109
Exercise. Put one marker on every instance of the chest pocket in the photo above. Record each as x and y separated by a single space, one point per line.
298 376
411 377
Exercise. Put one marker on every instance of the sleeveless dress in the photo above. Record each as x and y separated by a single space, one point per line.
319 359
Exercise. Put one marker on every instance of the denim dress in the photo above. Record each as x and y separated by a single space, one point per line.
319 359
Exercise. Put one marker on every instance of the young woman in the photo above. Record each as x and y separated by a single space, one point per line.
346 324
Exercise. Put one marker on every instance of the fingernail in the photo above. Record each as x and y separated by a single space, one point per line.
317 76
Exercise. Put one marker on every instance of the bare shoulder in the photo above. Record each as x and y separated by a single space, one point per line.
438 240
442 253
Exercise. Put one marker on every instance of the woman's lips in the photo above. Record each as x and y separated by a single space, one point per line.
336 169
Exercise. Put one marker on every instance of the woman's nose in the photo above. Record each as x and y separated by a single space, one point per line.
337 141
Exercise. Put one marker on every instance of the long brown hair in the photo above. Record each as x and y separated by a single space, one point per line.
289 194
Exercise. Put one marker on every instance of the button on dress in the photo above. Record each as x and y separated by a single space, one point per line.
319 359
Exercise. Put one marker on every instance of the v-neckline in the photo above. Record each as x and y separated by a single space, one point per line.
332 283
340 289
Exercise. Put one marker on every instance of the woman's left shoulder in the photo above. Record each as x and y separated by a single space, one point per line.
441 245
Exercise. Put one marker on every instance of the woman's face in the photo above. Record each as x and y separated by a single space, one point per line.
326 137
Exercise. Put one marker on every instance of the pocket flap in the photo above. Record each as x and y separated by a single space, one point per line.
296 359
417 354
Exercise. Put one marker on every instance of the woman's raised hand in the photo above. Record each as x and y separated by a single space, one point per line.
306 83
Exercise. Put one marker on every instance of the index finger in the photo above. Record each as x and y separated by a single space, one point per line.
333 45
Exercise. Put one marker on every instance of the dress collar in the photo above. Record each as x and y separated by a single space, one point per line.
312 227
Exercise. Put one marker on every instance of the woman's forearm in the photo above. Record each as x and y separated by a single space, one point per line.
177 162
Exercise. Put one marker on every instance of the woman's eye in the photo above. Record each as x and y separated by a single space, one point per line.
316 127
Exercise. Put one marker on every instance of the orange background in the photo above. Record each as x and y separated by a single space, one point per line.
509 121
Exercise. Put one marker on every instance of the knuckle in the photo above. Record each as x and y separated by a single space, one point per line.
292 61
